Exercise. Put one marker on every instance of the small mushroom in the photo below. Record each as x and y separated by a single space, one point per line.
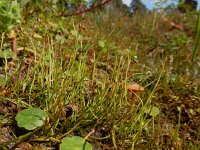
68 56
13 39
134 87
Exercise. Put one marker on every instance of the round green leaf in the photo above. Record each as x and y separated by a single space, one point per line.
31 118
154 111
75 143
7 54
101 43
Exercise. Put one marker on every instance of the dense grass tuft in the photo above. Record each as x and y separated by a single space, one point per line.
78 69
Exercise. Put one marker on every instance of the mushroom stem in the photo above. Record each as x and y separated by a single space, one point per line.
133 88
14 45
13 39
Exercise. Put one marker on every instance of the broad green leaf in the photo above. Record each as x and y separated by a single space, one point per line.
9 15
101 43
154 111
7 54
74 32
75 143
2 81
31 118
48 56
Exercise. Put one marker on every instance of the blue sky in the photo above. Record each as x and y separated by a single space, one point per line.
150 3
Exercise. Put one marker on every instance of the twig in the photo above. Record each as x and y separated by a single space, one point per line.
86 10
179 27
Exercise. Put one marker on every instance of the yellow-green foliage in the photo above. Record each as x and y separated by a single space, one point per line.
9 15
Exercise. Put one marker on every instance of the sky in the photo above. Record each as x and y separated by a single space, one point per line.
150 3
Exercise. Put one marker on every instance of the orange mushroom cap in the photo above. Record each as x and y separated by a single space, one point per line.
68 56
134 87
11 35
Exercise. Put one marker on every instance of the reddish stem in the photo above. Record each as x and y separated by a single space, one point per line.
86 10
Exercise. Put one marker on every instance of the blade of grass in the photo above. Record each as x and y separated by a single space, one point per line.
197 38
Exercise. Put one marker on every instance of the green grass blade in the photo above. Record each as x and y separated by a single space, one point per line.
197 38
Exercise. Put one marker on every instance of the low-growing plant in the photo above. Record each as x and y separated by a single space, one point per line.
9 15
33 118
74 83
75 143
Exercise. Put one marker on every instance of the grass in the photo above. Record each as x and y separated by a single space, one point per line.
83 86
